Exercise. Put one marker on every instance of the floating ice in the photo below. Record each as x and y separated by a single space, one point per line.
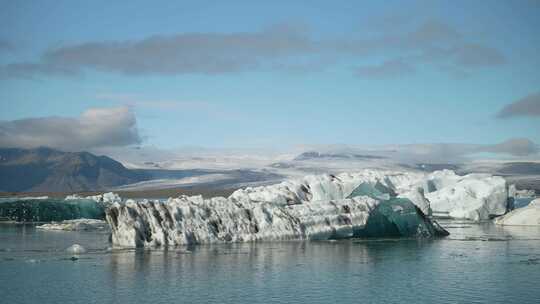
76 225
76 249
314 208
526 216
474 196
400 217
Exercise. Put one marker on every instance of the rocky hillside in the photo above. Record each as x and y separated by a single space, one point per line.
49 170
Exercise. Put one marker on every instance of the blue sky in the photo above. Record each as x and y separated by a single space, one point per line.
274 73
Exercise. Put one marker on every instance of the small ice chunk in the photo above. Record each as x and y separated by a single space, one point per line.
76 249
76 225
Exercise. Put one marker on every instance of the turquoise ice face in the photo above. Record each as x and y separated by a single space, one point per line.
377 191
51 210
394 217
400 217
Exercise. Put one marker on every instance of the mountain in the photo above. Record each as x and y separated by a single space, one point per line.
49 170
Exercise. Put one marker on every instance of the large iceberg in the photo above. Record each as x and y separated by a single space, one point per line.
526 216
441 193
365 204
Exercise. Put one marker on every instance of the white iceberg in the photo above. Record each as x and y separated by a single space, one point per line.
366 203
335 187
441 193
474 196
526 216
76 225
76 249
312 208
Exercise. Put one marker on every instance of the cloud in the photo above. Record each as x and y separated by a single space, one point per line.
514 146
207 53
6 46
194 107
437 152
282 47
96 127
388 69
431 32
517 147
528 106
478 55
133 100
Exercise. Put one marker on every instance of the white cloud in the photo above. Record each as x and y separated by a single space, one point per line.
95 127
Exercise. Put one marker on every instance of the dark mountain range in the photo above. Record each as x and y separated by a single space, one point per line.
49 170
46 170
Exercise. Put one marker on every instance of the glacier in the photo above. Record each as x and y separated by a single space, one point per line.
370 203
526 216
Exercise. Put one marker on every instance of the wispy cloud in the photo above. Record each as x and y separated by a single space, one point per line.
514 146
280 47
388 69
6 45
528 106
96 127
199 107
439 152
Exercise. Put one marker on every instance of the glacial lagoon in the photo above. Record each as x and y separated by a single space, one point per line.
477 263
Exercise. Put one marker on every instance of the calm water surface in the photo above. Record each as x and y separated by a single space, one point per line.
478 263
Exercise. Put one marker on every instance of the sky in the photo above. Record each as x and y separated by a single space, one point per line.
79 75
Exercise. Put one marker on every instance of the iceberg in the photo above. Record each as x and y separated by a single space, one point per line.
51 210
76 225
76 249
395 216
526 216
400 217
44 209
317 207
474 196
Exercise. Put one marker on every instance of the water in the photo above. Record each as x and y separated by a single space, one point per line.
478 263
